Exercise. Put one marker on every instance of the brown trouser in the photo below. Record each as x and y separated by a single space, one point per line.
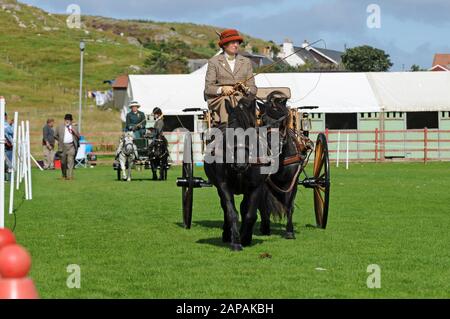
49 157
68 160
218 109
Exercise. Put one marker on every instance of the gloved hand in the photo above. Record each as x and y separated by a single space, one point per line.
227 90
242 88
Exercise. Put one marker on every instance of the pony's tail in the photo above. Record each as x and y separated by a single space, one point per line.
271 205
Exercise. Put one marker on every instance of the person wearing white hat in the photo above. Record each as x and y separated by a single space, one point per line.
136 120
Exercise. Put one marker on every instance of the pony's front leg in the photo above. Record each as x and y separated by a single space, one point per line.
161 171
231 215
249 219
265 222
153 166
290 234
129 170
123 166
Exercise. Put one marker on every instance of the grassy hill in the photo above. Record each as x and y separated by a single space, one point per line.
39 60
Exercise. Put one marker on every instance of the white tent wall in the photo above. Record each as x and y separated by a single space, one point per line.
172 93
368 93
411 91
332 92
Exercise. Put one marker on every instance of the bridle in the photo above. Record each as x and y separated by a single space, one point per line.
127 146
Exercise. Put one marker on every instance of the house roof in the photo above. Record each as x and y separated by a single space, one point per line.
318 55
442 60
305 55
332 54
439 68
121 82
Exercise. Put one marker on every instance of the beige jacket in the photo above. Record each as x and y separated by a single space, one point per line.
59 136
219 74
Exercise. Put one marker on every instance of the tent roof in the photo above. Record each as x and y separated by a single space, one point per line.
173 93
332 92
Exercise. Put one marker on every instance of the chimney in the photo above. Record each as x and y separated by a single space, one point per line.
288 48
305 44
267 52
249 48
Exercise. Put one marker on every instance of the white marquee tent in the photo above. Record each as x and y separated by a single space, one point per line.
332 92
411 91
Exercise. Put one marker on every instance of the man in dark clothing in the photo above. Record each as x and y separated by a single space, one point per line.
159 121
48 144
68 141
136 121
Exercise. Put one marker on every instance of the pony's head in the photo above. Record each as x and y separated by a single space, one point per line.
158 149
243 115
128 143
275 113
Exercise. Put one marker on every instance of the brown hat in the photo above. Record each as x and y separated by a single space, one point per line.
228 36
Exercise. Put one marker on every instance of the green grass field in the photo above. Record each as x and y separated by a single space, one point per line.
129 243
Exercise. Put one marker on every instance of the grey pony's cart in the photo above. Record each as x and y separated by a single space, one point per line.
300 124
143 160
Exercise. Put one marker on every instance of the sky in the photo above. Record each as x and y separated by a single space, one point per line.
410 31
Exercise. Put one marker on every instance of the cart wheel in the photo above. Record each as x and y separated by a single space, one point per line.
322 177
188 174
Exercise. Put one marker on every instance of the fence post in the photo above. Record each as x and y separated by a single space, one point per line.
425 145
338 148
439 143
348 152
376 144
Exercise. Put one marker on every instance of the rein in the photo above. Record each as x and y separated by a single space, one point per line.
291 186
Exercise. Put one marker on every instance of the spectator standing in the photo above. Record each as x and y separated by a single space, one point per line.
9 138
48 144
68 142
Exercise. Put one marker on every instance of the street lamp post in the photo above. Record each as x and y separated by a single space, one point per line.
82 47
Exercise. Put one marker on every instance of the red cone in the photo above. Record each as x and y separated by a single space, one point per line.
6 237
15 263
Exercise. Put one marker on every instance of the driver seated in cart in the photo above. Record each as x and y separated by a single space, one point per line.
229 77
136 120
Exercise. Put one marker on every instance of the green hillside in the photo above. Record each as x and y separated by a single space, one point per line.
39 59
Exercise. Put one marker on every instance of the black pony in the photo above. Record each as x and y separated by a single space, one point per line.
159 155
238 177
280 188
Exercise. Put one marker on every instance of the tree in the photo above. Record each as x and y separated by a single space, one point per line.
366 59
168 57
416 68
163 63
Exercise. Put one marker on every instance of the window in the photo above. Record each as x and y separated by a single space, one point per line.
341 121
420 120
172 122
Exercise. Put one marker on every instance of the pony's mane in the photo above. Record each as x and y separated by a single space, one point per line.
243 115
